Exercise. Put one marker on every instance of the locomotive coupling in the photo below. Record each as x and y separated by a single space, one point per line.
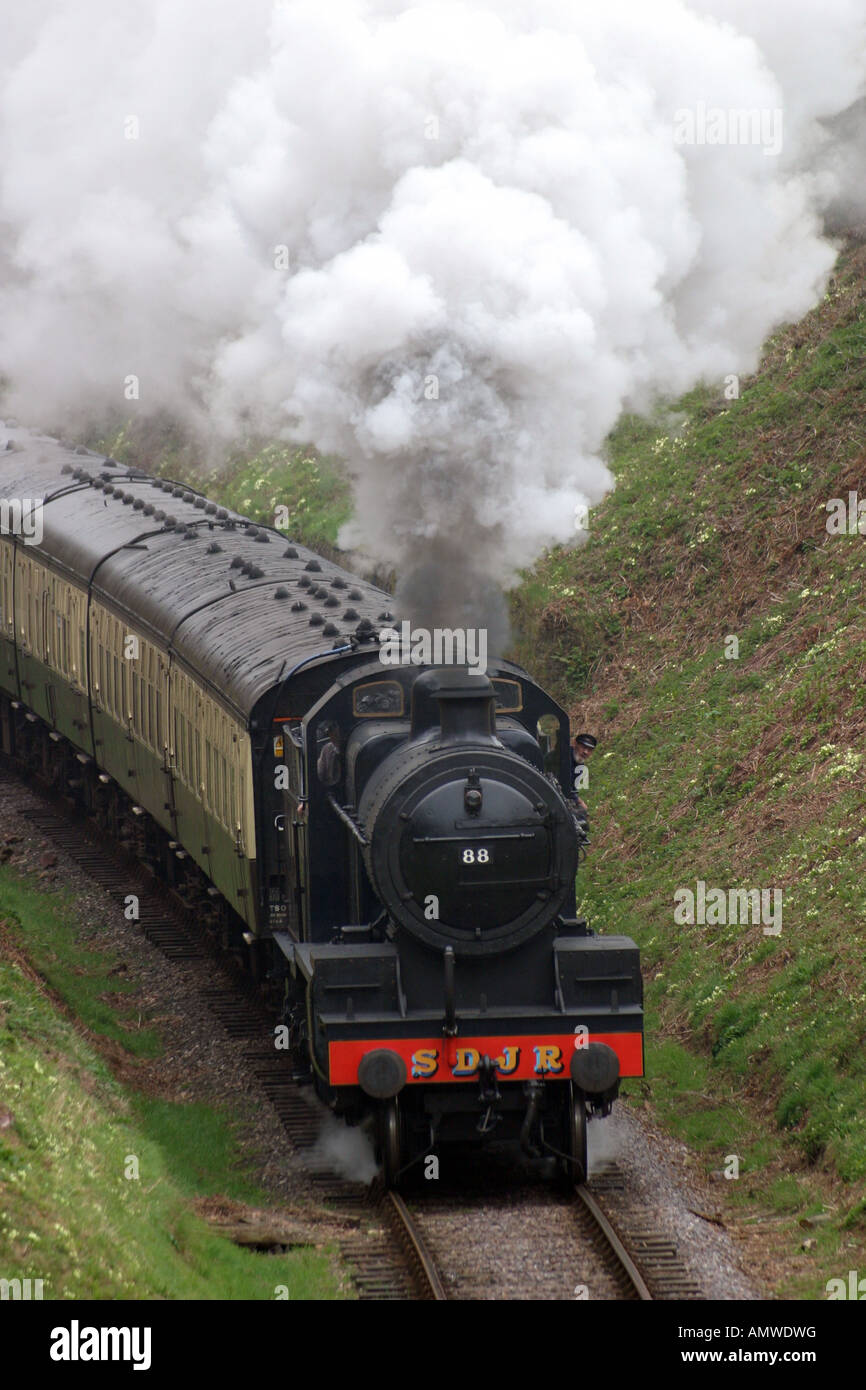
595 1069
534 1091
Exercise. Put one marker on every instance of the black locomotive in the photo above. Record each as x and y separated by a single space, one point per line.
384 841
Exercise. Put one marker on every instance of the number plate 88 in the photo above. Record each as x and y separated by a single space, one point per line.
476 856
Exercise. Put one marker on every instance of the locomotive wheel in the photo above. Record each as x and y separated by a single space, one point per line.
390 1141
577 1164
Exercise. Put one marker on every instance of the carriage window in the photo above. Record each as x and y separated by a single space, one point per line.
377 698
509 696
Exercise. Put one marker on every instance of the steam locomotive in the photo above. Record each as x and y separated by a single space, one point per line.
389 845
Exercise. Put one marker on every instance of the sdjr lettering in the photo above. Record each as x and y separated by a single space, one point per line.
462 1059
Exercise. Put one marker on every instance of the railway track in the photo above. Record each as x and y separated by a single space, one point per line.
570 1237
418 1253
387 1253
626 1271
650 1250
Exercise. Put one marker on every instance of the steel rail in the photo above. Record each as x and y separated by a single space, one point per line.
614 1241
416 1248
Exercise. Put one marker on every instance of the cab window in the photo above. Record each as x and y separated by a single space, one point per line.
509 696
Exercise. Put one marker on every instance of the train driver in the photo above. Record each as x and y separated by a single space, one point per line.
581 750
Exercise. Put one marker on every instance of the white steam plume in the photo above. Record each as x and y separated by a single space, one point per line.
495 242
346 1149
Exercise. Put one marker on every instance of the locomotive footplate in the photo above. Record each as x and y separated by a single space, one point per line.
506 1048
361 1012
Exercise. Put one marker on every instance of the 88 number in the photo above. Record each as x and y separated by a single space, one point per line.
471 856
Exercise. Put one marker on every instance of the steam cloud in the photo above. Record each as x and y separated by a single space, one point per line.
495 243
348 1151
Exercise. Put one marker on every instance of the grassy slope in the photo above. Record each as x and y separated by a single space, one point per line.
254 483
68 1213
743 772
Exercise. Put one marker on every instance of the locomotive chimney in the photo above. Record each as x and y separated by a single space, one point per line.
461 704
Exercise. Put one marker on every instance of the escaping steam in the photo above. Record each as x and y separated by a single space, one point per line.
449 241
347 1150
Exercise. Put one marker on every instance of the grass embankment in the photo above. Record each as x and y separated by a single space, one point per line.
98 1178
738 763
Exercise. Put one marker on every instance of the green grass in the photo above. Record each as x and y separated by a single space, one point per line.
96 1179
255 481
84 979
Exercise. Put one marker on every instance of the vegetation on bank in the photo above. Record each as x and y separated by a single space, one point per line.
314 492
712 634
98 1176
